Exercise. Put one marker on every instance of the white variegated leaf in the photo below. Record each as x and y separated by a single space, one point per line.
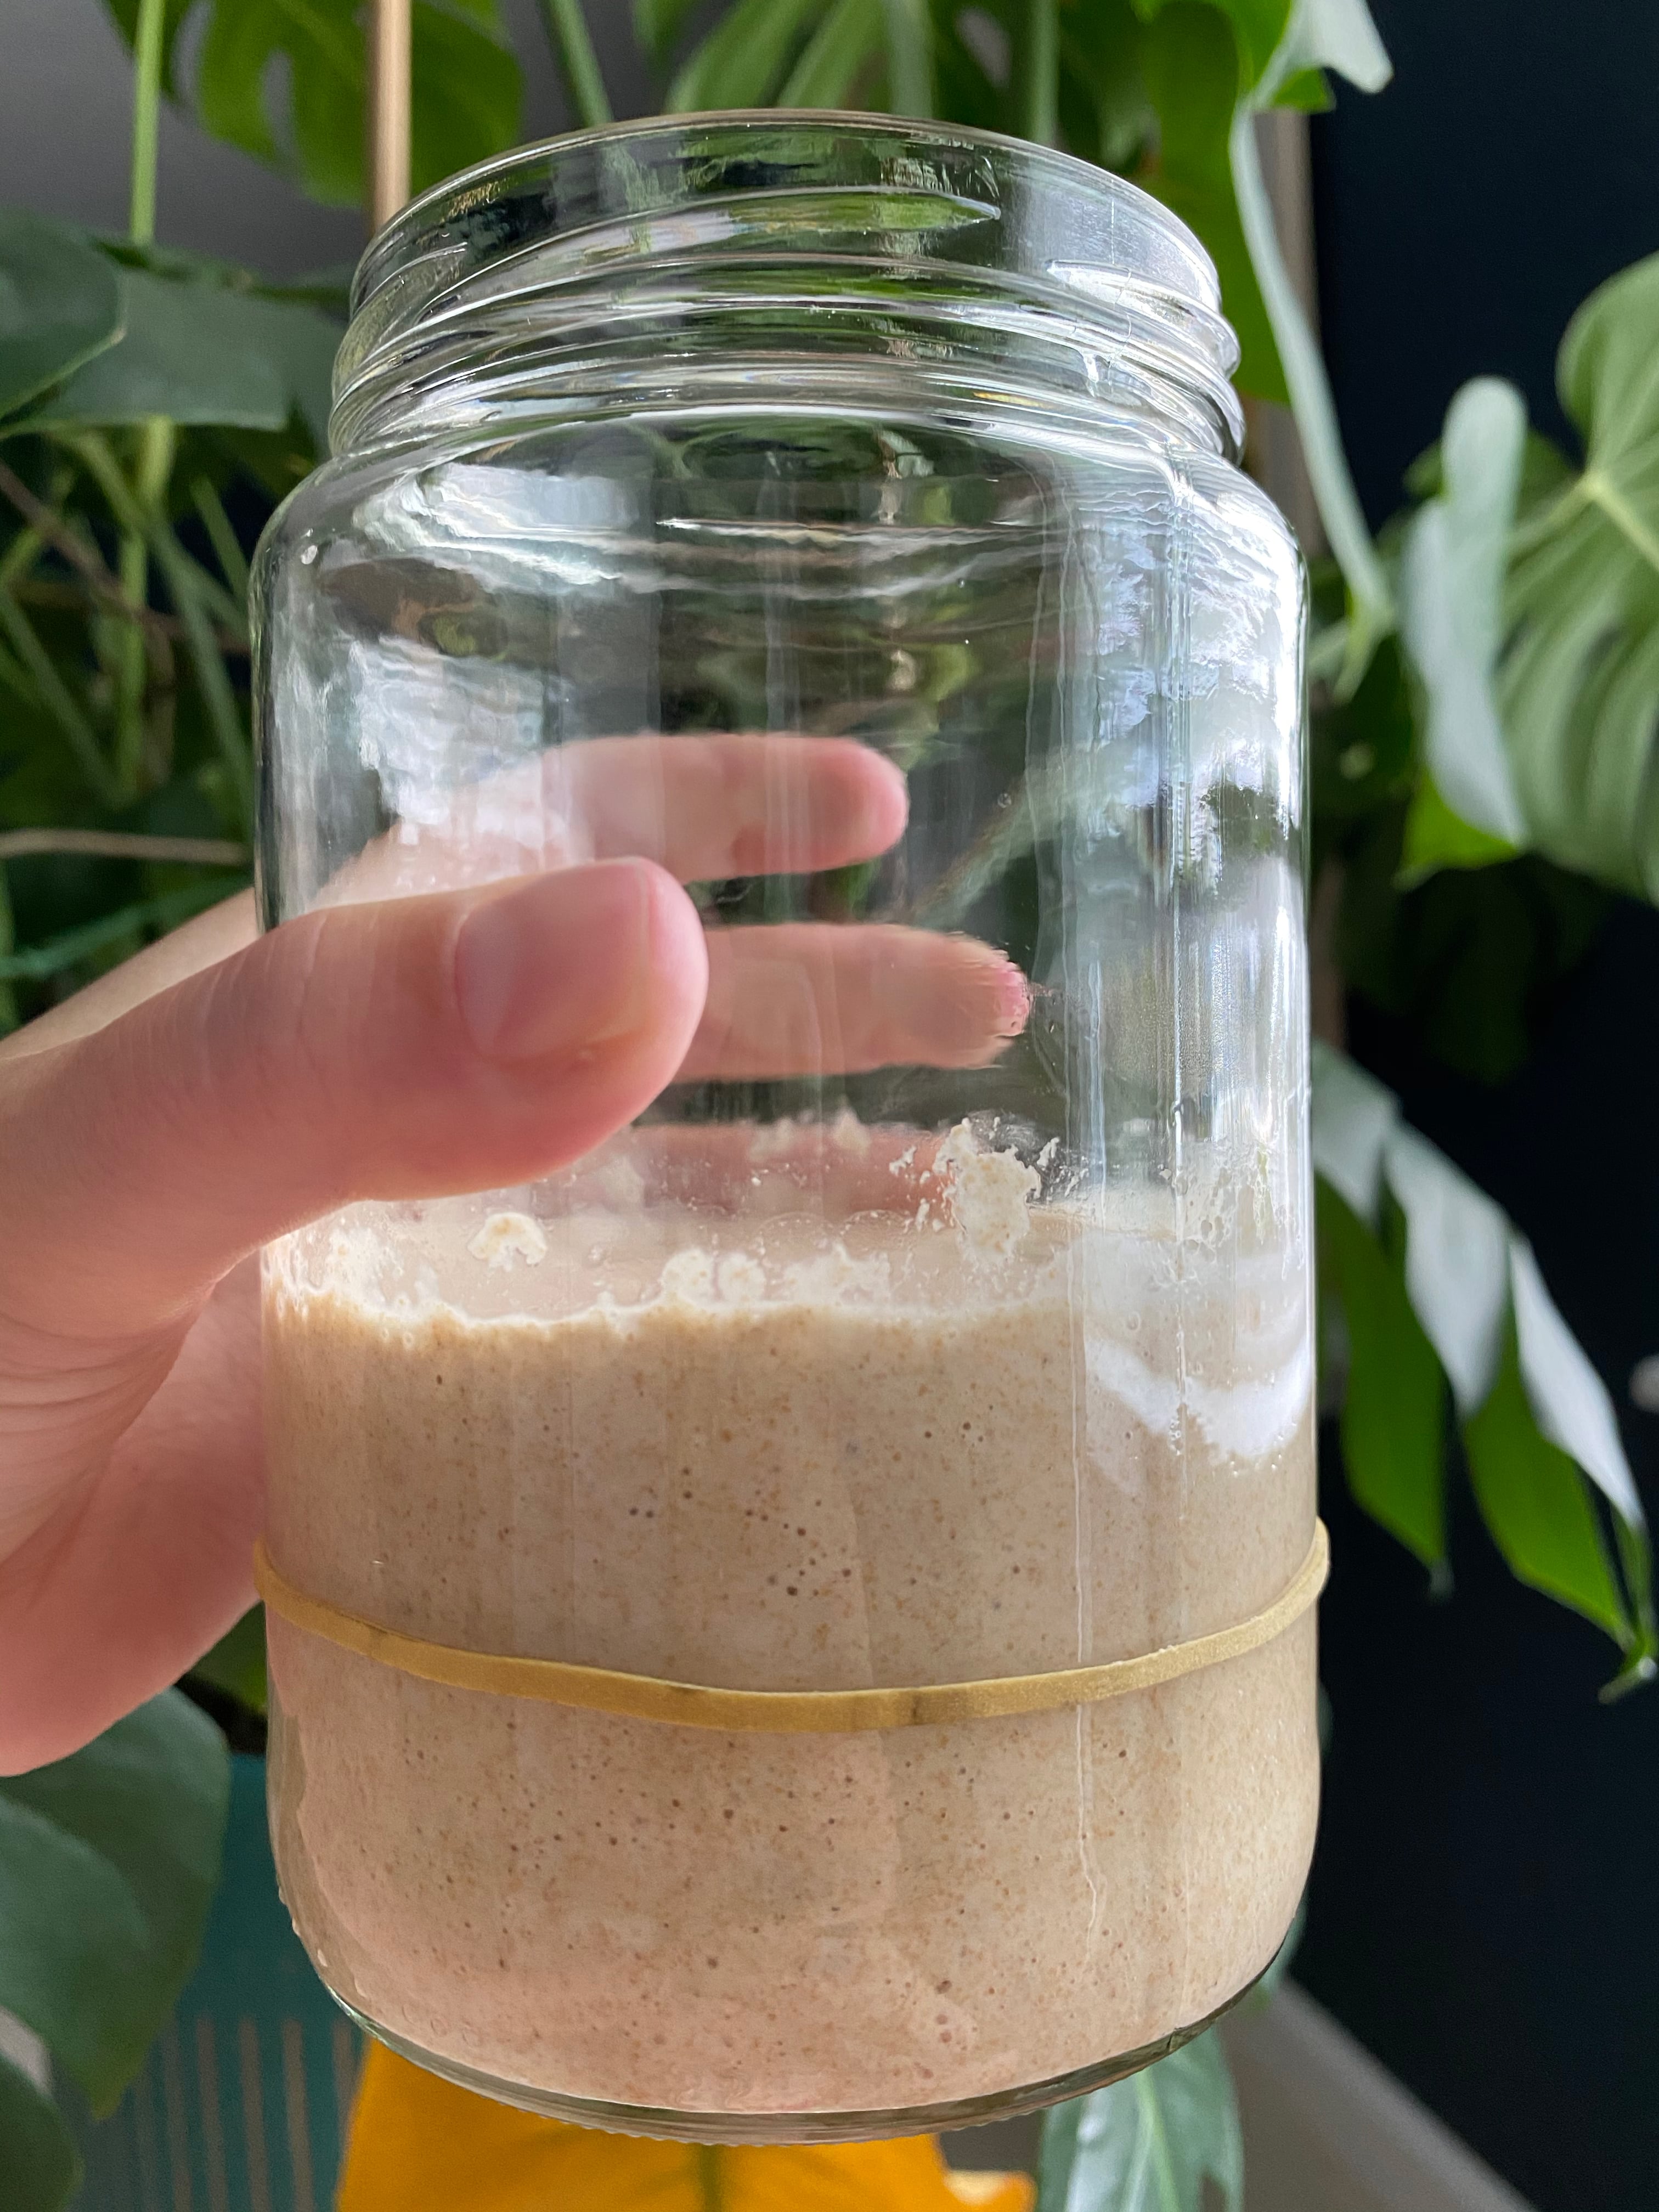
1569 1402
1164 2140
1451 604
1332 34
1353 1116
1457 1261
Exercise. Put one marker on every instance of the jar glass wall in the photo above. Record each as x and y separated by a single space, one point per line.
840 513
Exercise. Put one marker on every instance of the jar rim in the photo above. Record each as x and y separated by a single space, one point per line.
910 197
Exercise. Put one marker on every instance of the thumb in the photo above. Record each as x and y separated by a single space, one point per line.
393 1050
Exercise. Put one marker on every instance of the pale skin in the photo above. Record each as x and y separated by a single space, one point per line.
405 1040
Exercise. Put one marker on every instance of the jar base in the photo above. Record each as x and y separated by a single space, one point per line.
669 2124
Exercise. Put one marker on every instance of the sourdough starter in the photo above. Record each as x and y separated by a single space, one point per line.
952 1433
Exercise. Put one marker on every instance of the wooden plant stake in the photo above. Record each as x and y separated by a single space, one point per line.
390 41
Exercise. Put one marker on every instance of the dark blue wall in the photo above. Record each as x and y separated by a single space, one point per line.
1486 1904
1465 211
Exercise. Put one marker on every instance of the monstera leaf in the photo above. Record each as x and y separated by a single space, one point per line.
1455 557
1578 687
1153 2143
200 353
108 1863
1530 604
466 97
60 304
37 2152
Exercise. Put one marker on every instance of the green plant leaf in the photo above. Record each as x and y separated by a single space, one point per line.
1578 686
466 92
1101 65
108 1861
236 1664
1258 27
966 90
1452 562
835 56
1307 90
1435 838
1537 1506
60 304
199 354
1394 1415
1192 65
467 95
744 58
658 23
38 2156
1473 960
1150 2143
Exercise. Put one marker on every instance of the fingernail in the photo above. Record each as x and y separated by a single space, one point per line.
1006 1001
558 964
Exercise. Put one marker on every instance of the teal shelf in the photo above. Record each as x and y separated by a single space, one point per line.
243 2102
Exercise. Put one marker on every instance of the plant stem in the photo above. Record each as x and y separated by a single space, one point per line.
155 437
161 629
149 48
157 442
573 49
1036 72
125 845
20 556
1311 402
10 1012
184 581
49 528
10 1009
835 57
910 56
711 2181
58 702
231 561
38 962
13 679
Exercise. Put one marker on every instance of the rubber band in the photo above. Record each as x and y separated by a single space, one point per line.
787 1712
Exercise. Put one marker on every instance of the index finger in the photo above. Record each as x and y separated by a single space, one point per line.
730 804
704 806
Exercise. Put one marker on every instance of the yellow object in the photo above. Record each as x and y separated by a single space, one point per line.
419 2144
694 1704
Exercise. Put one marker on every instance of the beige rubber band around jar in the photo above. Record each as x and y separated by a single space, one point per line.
787 1712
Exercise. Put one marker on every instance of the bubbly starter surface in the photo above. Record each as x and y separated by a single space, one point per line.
645 1423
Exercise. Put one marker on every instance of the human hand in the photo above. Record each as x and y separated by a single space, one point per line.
402 1040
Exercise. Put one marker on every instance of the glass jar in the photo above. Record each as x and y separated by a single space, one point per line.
946 1322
